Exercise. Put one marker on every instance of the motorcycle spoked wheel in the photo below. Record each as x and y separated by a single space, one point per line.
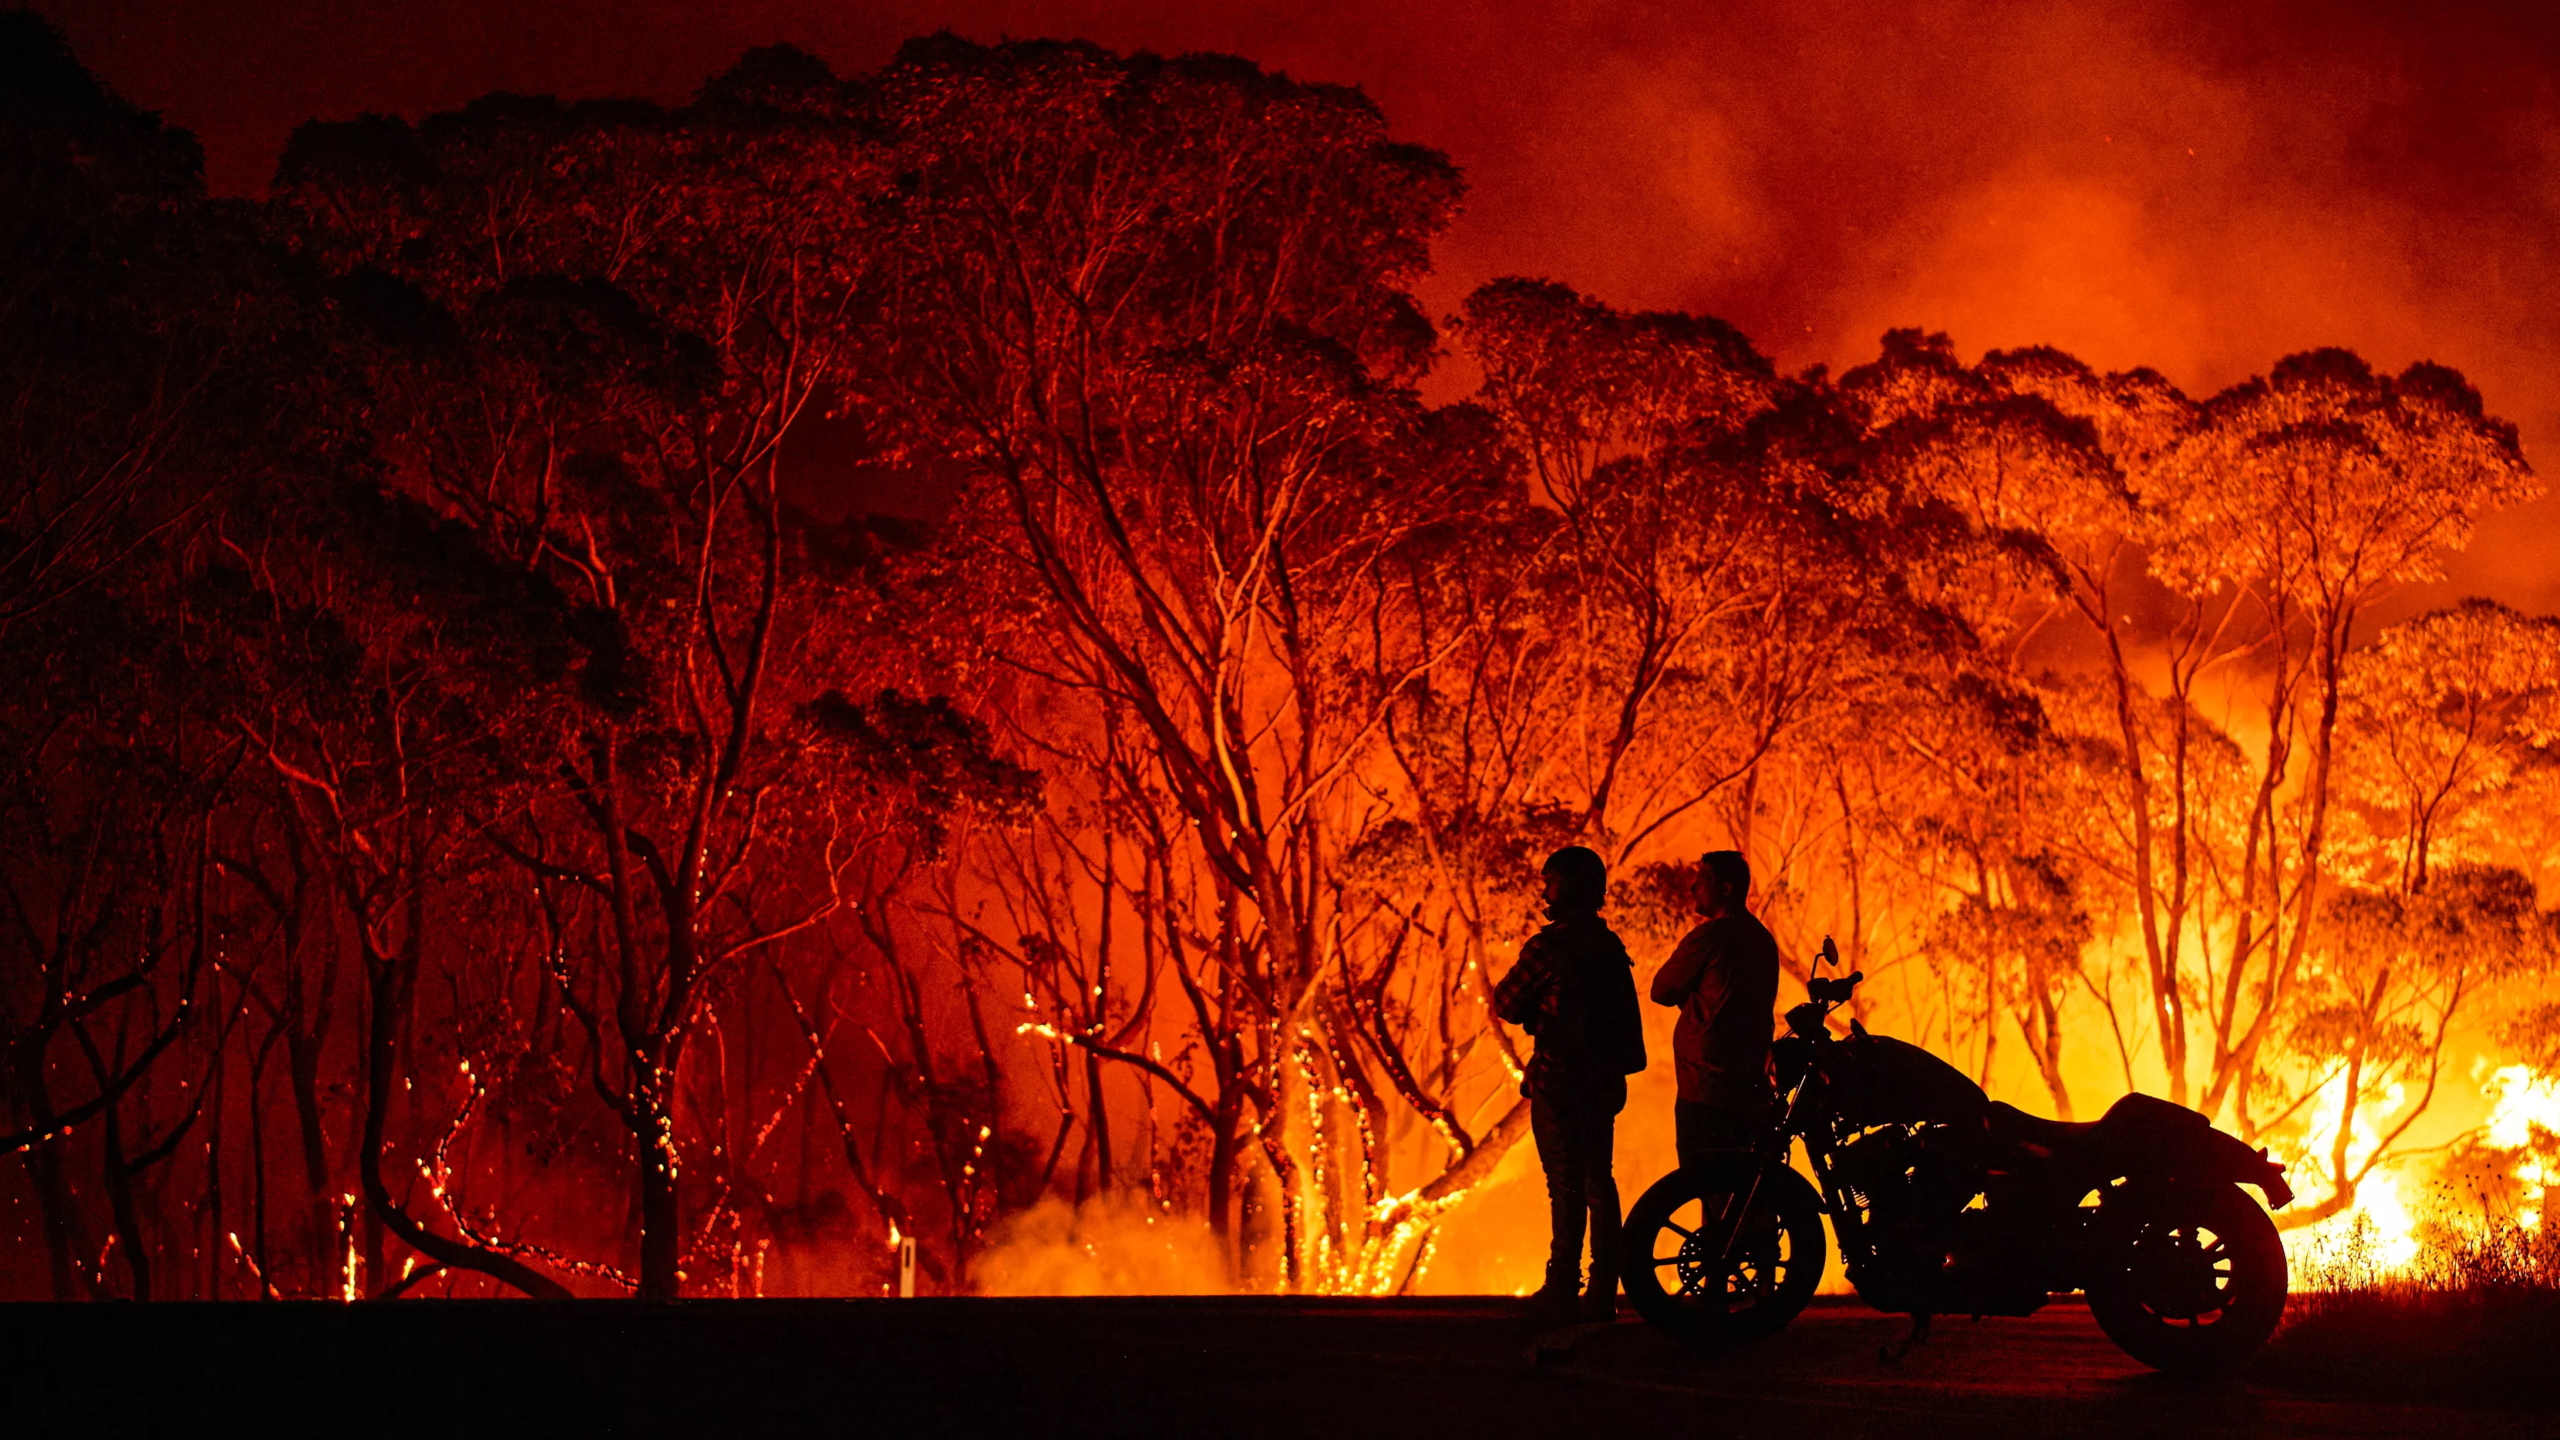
1680 1275
2194 1279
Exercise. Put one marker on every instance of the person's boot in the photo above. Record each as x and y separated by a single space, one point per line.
1600 1302
1556 1301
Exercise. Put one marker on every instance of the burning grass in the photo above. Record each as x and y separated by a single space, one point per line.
2472 1318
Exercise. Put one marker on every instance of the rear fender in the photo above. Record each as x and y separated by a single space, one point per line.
2151 1141
2232 1160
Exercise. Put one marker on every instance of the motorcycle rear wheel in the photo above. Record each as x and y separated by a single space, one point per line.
1713 1283
2193 1281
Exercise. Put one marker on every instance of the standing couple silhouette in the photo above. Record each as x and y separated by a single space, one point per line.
1573 989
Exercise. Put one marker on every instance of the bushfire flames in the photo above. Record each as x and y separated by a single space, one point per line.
2380 1229
2526 1119
487 810
2383 1235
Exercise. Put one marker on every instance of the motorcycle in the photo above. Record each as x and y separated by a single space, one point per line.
1947 1202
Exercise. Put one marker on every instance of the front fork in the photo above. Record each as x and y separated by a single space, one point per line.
1848 1227
1772 1151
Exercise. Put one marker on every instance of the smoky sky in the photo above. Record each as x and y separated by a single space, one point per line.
2199 188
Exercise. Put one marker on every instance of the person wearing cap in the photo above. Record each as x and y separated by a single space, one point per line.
1574 991
1724 979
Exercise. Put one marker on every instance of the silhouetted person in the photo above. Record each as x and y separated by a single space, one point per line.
1724 978
1574 991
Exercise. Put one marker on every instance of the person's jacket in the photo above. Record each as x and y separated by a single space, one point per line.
1724 978
1574 991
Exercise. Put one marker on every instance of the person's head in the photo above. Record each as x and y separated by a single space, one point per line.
1724 882
1577 878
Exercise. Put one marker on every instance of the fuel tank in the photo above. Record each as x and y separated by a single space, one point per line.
1878 1080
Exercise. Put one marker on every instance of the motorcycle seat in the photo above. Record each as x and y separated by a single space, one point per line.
2015 1129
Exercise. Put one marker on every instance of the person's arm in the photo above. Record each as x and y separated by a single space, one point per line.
1521 997
1628 1019
1678 977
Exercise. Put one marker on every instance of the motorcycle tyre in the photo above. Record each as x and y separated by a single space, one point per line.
2259 1278
1799 1214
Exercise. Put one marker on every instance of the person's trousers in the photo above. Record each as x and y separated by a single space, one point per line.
1700 1128
1575 1145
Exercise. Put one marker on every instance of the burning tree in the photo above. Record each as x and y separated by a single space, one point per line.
1156 309
135 315
634 308
2437 720
2306 496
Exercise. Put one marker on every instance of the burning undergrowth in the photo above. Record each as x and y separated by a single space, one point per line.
2474 1319
2459 1306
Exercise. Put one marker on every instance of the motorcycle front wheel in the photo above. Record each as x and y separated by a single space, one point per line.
2191 1280
1717 1259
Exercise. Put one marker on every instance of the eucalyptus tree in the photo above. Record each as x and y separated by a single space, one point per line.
1157 309
2440 719
136 320
613 317
2309 494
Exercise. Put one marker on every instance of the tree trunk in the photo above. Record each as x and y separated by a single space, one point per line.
1100 1122
1222 1175
302 1070
653 1104
659 1250
128 1221
387 995
64 1240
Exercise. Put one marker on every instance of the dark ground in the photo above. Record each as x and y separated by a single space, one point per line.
1314 1369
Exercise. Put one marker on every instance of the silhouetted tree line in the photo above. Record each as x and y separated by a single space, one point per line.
480 812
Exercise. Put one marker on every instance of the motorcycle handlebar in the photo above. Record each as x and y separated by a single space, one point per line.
1822 995
1835 992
